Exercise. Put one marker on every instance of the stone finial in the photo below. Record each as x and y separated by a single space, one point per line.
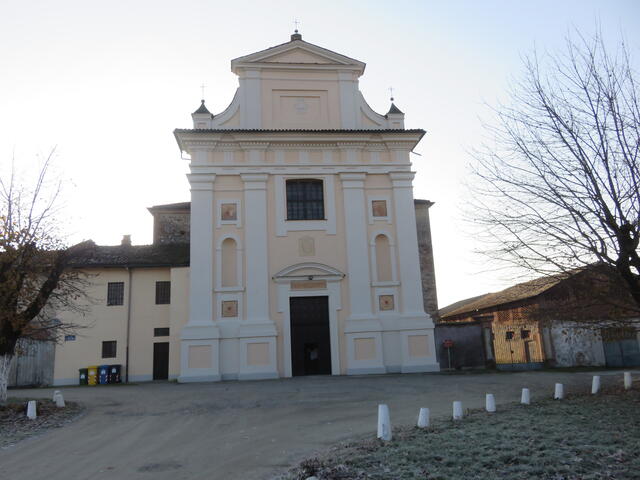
126 241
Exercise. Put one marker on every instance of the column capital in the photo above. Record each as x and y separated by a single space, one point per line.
200 181
402 179
353 180
254 181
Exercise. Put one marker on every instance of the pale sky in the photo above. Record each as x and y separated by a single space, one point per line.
107 82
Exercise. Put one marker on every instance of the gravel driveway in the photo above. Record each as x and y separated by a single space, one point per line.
245 430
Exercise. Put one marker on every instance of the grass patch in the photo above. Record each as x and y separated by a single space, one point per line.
582 437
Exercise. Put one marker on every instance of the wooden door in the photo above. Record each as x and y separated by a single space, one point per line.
161 361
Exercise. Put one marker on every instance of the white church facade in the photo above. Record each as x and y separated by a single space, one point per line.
298 253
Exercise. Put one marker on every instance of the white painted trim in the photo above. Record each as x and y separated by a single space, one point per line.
228 113
335 304
237 222
373 365
372 219
283 225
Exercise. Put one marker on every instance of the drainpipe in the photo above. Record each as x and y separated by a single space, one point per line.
128 324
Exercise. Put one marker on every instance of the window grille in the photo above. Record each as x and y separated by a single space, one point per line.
160 332
305 199
109 349
509 335
163 293
115 293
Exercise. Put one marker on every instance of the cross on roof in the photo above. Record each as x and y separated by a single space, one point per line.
202 87
391 93
296 23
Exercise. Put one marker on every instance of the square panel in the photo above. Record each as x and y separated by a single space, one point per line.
386 302
379 208
228 212
230 308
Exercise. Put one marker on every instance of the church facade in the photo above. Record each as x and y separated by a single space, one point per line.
298 253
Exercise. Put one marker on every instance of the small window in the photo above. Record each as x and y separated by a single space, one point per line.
115 293
69 338
161 332
109 349
509 335
163 293
305 200
525 333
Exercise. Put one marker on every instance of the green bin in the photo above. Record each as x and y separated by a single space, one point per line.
84 376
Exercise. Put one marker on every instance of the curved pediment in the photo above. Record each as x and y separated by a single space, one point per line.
309 269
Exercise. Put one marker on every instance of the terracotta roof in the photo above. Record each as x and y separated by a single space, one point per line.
521 291
170 255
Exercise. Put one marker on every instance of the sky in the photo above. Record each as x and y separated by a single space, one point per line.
106 83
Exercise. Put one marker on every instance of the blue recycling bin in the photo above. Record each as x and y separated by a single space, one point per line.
103 374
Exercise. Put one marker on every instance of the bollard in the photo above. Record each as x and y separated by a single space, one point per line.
384 423
423 418
490 403
627 380
31 410
55 394
559 392
59 399
595 384
525 399
457 410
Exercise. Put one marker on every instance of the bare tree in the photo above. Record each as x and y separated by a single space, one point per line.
559 188
35 280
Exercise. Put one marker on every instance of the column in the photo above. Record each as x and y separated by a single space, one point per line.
358 274
201 269
200 337
256 247
407 244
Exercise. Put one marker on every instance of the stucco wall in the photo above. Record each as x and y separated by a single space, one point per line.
106 323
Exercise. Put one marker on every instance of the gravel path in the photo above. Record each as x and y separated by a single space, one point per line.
246 430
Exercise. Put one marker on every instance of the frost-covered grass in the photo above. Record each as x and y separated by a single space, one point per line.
582 437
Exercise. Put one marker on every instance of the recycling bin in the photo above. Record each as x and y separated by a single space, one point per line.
92 375
83 376
114 373
103 374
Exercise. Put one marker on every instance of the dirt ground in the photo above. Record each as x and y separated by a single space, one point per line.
246 430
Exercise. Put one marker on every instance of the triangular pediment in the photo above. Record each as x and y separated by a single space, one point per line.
296 52
306 270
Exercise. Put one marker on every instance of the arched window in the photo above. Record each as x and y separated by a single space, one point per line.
383 259
229 263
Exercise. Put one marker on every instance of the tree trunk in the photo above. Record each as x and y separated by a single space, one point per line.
5 365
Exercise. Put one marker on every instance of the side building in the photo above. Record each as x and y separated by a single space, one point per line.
305 242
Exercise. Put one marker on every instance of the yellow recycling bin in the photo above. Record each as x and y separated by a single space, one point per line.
92 374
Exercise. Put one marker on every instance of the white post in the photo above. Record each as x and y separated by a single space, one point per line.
384 423
525 399
559 392
55 394
457 410
31 410
627 380
595 384
59 399
490 403
423 418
